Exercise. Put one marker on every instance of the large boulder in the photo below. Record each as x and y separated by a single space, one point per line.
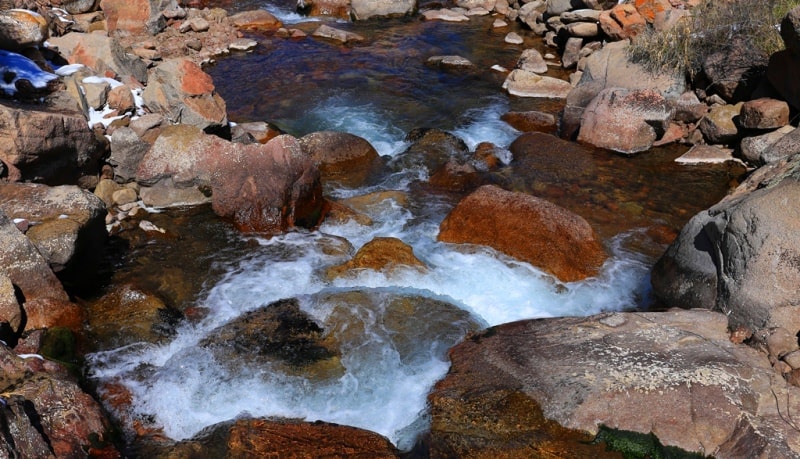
675 375
21 29
53 147
735 71
183 93
527 228
135 17
740 256
101 53
365 9
626 121
258 437
267 187
341 157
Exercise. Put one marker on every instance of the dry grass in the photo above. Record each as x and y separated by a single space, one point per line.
710 29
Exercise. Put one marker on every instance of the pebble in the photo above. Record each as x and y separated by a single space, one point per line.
513 38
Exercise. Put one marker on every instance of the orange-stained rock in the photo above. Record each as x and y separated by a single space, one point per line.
49 312
531 121
266 438
336 8
527 228
341 157
255 20
456 176
132 17
21 29
622 22
650 8
380 254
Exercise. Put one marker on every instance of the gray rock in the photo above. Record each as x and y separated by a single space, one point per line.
365 9
786 146
752 148
557 7
127 151
531 60
326 31
781 341
583 29
96 93
571 54
790 31
101 53
528 84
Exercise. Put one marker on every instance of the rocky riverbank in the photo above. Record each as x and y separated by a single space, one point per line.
106 113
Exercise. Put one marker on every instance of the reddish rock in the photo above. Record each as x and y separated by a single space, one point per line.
134 17
121 99
622 22
489 157
527 228
649 9
456 176
101 53
341 157
255 20
764 113
531 121
625 120
335 8
385 254
49 312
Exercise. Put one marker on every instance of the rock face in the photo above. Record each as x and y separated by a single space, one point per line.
183 93
623 120
126 17
675 374
101 53
365 9
528 228
277 438
260 187
21 29
341 157
740 256
47 147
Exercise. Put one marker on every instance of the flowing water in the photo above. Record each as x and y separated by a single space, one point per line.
392 330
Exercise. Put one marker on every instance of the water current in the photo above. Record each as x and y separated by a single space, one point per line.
393 329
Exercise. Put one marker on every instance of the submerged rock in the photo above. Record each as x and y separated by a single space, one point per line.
384 254
674 374
527 228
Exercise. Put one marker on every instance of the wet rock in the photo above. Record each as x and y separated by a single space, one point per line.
335 8
764 113
45 415
444 15
626 121
707 154
383 254
450 62
376 201
366 9
134 17
544 234
277 335
264 188
340 213
255 20
341 157
532 121
757 149
183 93
490 157
718 125
248 437
631 371
326 31
52 147
21 29
430 150
528 84
456 176
70 226
103 54
622 22
739 257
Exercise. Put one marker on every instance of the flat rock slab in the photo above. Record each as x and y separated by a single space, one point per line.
675 374
707 154
528 84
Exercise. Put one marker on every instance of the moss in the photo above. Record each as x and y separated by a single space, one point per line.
59 344
636 445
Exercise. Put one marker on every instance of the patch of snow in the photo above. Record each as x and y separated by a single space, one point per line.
30 356
67 70
96 79
15 67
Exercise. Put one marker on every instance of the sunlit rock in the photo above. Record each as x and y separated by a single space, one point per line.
100 53
21 29
255 20
384 254
131 17
523 83
528 228
341 157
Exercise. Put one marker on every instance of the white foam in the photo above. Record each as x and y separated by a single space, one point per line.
484 125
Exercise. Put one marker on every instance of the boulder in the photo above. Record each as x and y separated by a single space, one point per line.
624 120
764 113
782 65
532 121
135 17
622 22
757 150
430 149
674 375
79 7
183 93
258 437
523 83
12 316
52 147
69 230
366 9
335 8
736 70
461 176
255 20
21 29
341 157
790 31
101 53
267 187
557 7
707 154
527 228
784 147
127 151
571 54
649 9
739 256
718 125
450 62
332 33
531 60
444 14
383 254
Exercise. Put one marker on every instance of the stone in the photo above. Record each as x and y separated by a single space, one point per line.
341 157
146 124
377 200
127 151
784 147
513 38
258 437
781 65
255 20
738 257
101 53
259 131
243 44
735 71
688 108
757 150
105 191
532 121
531 60
707 154
196 24
326 31
490 157
792 359
583 29
456 176
335 8
790 31
429 150
514 389
764 113
623 120
80 7
557 7
781 341
444 15
528 84
582 15
571 54
134 17
96 93
47 146
383 254
450 62
499 24
649 9
120 98
12 316
718 125
21 29
527 228
470 4
366 9
180 91
531 14
622 22
124 196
